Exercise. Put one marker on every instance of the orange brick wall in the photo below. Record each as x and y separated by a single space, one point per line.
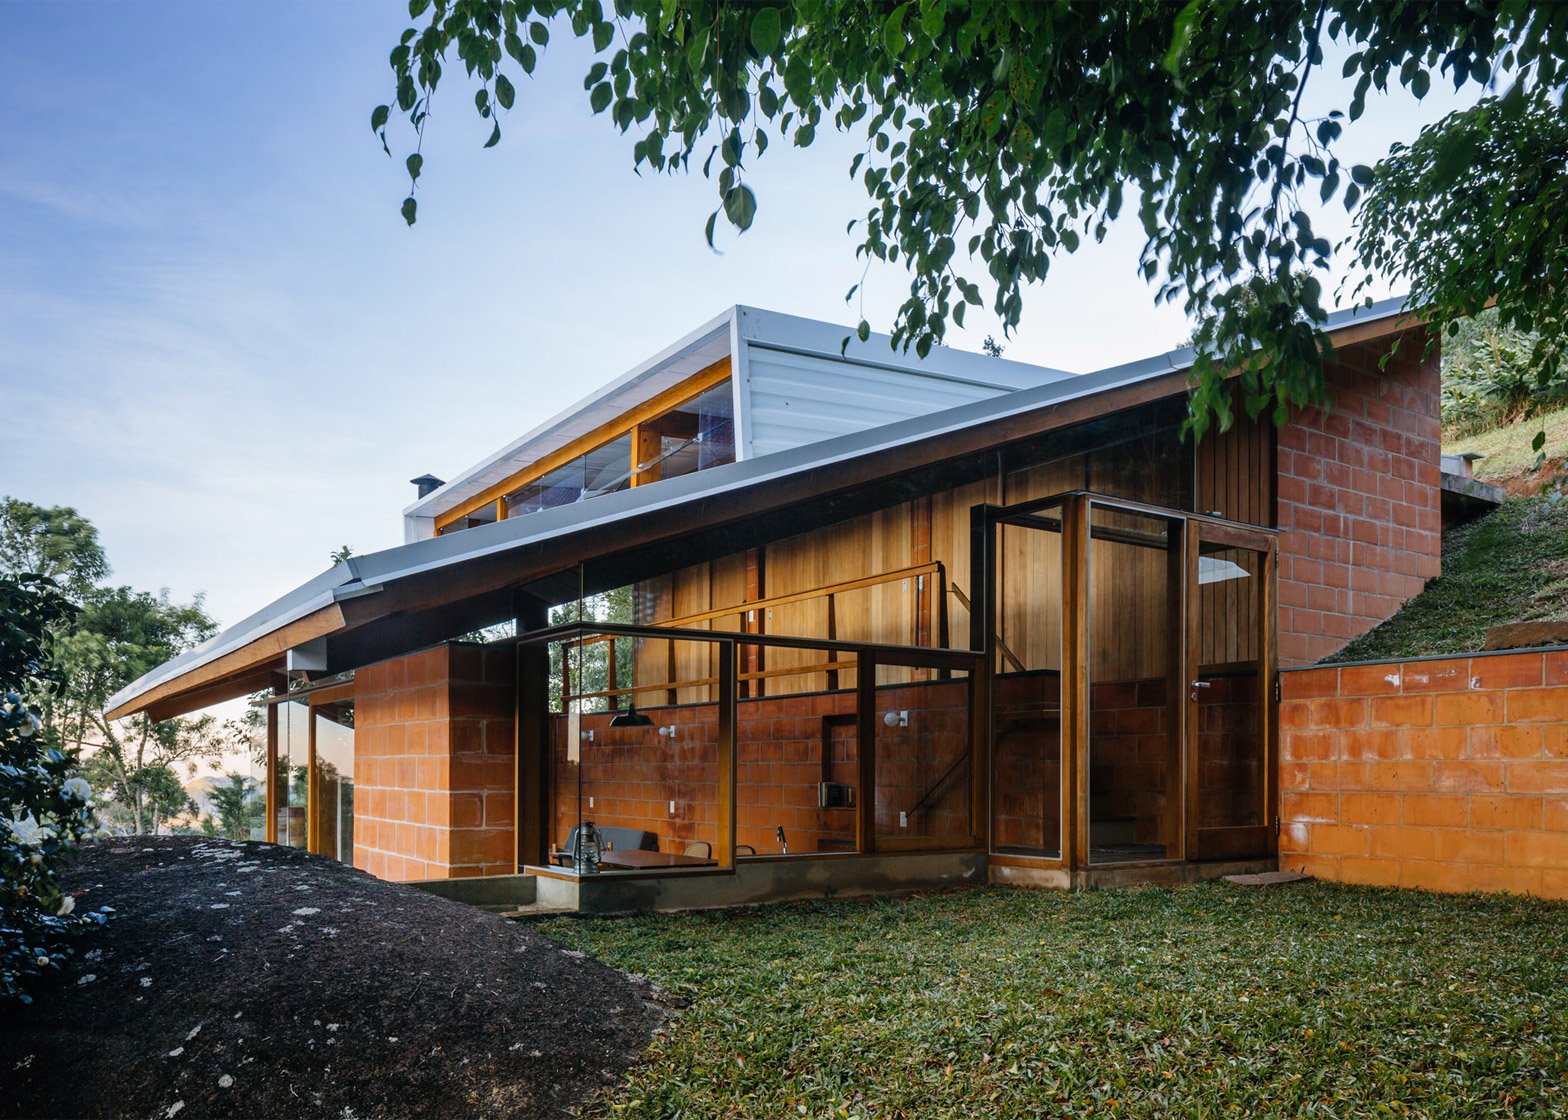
1446 773
1358 510
434 764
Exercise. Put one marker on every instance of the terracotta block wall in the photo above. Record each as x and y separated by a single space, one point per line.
1358 510
1446 773
633 774
1026 787
434 770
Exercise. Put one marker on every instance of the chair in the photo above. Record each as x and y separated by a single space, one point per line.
700 848
745 850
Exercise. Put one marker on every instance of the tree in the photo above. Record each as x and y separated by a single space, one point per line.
111 636
57 542
119 635
1013 131
232 802
1474 214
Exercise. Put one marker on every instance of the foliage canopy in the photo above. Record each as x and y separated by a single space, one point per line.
1015 131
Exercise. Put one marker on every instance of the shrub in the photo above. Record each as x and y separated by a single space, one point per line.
45 807
1492 376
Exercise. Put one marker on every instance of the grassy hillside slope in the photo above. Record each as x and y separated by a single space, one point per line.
1507 449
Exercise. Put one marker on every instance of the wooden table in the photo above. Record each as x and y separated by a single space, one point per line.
636 860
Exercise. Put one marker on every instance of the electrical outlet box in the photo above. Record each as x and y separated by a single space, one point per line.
903 819
672 808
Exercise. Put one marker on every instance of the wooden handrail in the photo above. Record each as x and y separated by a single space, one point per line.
800 596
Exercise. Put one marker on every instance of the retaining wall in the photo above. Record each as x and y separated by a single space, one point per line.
1448 773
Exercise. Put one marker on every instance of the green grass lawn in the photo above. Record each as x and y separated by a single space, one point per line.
1211 1001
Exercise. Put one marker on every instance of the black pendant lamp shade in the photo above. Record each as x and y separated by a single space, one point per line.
631 717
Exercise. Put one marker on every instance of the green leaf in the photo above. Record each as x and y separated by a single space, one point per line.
528 58
539 33
933 18
1181 34
599 99
863 332
893 37
1055 134
378 118
504 93
409 208
708 230
603 35
495 135
740 205
414 163
1420 82
766 33
416 8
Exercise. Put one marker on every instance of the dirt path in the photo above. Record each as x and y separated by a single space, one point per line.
244 979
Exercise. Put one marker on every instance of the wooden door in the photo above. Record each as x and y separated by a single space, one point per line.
1231 668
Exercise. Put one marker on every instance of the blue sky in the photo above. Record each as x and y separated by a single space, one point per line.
220 343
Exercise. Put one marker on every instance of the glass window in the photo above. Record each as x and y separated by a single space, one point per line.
293 773
333 807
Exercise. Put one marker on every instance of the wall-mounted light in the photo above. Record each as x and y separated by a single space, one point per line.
896 719
667 732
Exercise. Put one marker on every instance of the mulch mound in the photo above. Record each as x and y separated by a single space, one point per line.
246 979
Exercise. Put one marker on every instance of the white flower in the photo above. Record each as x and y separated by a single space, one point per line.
27 831
32 725
77 789
67 904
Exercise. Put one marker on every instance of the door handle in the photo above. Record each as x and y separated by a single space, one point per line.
1197 685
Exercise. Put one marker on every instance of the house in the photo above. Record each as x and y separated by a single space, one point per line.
781 615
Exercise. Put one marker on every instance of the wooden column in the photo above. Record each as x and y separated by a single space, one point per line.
725 826
866 752
311 840
533 783
647 445
1178 743
272 769
1075 682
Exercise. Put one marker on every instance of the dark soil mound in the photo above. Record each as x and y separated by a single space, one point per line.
244 979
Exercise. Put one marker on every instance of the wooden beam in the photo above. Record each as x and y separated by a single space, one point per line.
647 446
697 383
234 673
255 681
